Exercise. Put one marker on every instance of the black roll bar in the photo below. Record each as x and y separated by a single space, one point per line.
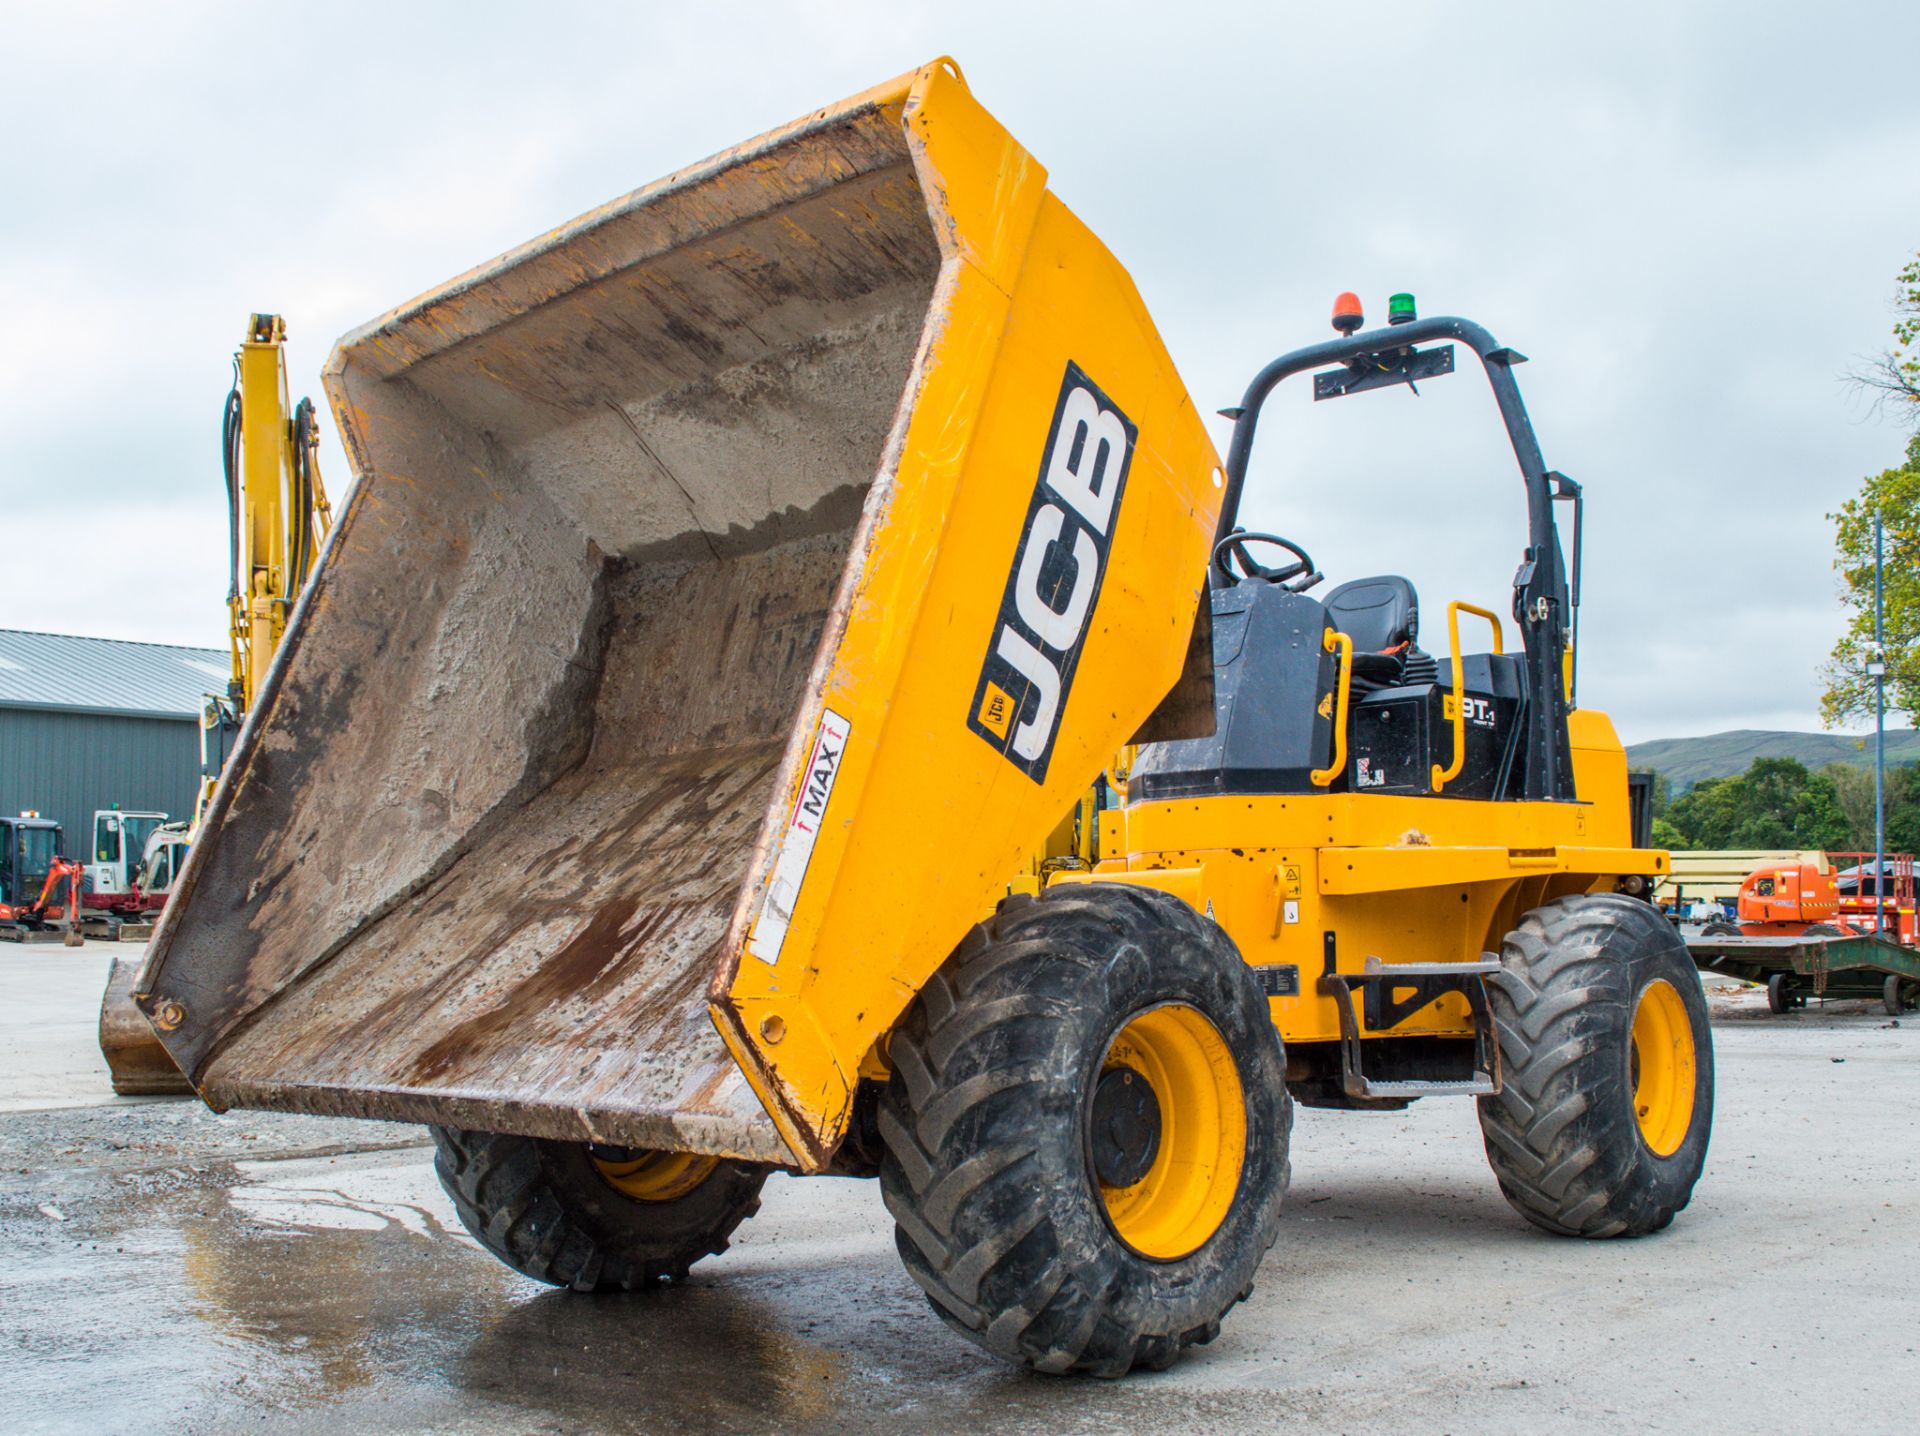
1541 602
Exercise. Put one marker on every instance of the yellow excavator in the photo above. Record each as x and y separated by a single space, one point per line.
277 516
739 583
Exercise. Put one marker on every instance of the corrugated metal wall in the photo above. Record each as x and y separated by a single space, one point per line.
69 764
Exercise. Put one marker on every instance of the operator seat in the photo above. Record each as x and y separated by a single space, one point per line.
1382 617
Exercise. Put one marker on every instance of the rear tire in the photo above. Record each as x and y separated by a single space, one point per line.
551 1211
1010 1199
1601 1127
1781 998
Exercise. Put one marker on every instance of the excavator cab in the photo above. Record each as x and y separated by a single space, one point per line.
39 889
119 847
29 847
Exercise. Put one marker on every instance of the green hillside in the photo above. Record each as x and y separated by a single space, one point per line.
1686 761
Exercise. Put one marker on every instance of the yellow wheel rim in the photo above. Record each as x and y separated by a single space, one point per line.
1185 1194
656 1176
1663 1068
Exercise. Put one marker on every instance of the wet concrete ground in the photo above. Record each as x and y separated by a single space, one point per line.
170 1270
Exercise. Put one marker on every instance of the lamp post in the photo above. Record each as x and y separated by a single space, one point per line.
1877 670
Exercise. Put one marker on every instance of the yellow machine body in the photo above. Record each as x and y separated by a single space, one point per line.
1321 882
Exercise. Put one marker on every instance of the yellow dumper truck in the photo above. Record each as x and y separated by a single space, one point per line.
741 581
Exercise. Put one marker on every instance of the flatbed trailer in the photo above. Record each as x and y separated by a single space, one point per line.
1794 968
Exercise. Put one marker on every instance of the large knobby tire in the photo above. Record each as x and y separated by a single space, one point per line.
1010 1200
1602 1122
553 1211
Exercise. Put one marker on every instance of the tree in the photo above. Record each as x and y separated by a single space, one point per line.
1853 788
1659 802
1895 495
1903 810
1660 798
1893 375
1776 803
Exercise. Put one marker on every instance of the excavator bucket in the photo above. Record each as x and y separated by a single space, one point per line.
737 583
136 1062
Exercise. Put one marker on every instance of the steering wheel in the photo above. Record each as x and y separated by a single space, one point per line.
1231 554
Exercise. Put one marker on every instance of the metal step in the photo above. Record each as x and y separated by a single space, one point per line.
1476 1087
1431 980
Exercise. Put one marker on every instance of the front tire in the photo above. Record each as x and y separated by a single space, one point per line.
1086 1131
1601 1127
590 1218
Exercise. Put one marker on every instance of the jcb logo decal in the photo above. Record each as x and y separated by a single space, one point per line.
1054 585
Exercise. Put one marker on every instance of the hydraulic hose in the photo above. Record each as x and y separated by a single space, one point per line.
301 520
230 462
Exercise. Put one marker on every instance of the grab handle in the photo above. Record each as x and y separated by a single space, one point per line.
1331 639
1455 709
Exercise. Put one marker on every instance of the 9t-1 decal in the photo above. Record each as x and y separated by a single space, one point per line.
1054 585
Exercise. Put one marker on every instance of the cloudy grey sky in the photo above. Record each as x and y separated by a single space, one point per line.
1690 217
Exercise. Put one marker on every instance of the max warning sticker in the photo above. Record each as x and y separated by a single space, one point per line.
797 838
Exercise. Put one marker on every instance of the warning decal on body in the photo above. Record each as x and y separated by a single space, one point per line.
798 837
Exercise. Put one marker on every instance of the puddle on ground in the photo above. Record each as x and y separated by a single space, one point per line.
341 1294
347 1194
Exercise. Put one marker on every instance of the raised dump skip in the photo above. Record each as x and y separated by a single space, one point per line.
510 802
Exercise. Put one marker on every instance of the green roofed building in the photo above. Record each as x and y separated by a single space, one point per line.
93 723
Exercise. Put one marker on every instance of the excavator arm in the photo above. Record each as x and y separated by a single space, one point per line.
69 873
277 505
277 516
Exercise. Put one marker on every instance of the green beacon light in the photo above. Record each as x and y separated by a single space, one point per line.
1400 309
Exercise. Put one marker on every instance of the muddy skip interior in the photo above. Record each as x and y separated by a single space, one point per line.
531 722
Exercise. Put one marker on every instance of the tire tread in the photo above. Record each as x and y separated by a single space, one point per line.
1557 1145
962 1167
541 1209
